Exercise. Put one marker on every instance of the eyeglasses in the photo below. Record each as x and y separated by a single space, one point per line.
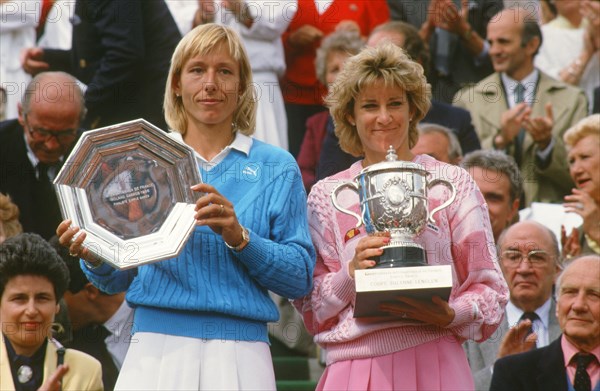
536 258
62 136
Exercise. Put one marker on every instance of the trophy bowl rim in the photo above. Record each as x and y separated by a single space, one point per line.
72 190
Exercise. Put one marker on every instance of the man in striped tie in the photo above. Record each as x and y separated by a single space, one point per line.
572 361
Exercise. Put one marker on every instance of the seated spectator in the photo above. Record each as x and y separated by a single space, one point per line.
34 147
331 57
32 280
571 361
526 112
100 323
500 182
9 218
530 261
439 142
583 144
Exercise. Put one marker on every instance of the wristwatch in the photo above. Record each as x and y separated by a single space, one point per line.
245 241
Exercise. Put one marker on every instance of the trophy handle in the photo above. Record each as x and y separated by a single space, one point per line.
352 186
445 204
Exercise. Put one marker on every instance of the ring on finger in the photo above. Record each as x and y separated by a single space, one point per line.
222 209
73 255
579 206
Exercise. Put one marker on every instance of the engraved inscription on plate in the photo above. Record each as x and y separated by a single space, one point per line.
127 192
128 187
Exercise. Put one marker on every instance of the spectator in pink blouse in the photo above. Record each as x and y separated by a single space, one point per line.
377 101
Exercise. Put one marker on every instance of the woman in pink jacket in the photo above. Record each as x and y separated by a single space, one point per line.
377 101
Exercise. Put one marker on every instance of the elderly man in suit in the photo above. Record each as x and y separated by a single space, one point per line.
523 111
529 258
571 362
34 146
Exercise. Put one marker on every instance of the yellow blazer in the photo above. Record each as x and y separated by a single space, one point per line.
85 372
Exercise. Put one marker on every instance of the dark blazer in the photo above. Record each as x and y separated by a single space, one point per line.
539 369
463 67
333 160
37 202
121 50
596 108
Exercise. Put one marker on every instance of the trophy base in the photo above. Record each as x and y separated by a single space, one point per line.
404 256
376 286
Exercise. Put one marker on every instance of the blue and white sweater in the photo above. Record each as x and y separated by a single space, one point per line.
212 292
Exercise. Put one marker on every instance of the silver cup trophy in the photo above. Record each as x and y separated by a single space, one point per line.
393 198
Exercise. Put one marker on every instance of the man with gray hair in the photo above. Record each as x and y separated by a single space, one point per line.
530 261
34 146
439 142
571 361
499 180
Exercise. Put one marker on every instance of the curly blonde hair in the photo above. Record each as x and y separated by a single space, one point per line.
204 40
9 217
588 126
386 62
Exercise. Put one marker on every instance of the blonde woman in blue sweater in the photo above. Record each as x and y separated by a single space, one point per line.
201 318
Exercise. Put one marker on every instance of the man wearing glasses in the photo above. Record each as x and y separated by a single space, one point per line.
34 146
530 260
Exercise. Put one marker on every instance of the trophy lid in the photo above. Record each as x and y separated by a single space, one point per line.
392 163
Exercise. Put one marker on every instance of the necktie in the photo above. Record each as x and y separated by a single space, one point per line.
582 378
42 169
519 91
532 316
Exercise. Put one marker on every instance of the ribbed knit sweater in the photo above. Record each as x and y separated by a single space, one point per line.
462 237
209 291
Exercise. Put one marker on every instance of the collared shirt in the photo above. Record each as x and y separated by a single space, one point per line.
593 369
241 143
540 327
119 325
530 83
52 170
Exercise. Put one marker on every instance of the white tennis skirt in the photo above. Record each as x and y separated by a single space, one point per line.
166 362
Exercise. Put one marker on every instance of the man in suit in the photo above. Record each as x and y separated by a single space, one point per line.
499 180
571 362
121 49
529 258
523 111
34 146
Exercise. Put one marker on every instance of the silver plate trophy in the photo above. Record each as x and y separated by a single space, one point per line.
393 198
128 187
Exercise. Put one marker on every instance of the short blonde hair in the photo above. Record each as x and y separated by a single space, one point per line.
588 126
203 40
385 62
